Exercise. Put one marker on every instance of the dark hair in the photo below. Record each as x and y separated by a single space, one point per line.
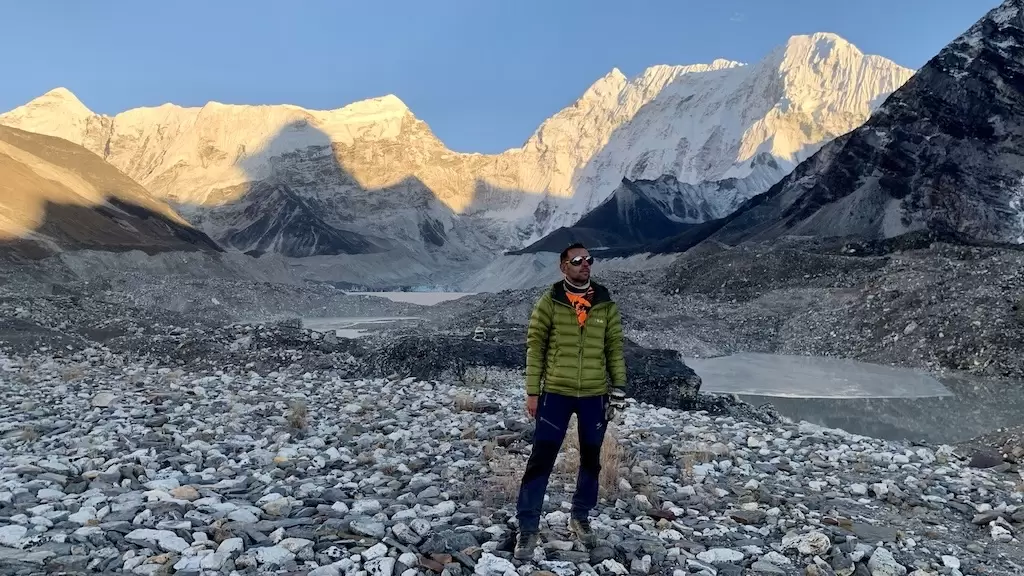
565 253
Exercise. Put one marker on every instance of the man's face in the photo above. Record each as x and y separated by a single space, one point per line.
576 267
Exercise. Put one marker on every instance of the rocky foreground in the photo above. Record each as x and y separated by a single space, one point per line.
114 466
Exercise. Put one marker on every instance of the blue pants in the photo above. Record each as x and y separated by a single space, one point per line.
553 413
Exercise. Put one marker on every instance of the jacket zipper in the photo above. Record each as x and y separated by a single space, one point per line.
582 340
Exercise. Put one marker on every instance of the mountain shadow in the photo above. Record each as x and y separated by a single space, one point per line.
56 196
301 202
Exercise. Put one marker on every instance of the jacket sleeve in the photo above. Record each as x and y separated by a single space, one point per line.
537 343
613 347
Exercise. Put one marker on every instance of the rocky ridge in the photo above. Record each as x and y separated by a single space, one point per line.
939 155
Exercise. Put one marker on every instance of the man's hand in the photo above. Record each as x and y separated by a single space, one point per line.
531 406
616 402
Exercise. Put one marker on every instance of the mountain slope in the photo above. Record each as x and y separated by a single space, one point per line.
637 213
698 123
57 196
943 154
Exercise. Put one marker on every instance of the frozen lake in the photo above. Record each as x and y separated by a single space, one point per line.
358 326
782 376
423 298
352 327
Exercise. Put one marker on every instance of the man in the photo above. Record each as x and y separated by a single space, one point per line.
574 341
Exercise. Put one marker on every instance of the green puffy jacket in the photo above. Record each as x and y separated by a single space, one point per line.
565 358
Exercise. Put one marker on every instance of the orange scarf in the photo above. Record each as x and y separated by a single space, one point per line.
582 303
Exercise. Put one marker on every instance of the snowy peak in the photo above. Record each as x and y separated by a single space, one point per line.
607 87
819 47
61 98
387 104
56 113
59 103
941 156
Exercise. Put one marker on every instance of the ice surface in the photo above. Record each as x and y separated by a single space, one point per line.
424 298
808 377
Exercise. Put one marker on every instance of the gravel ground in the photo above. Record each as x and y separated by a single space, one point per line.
113 465
149 432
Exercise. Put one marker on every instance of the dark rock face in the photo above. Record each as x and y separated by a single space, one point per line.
657 377
631 215
276 219
640 213
942 154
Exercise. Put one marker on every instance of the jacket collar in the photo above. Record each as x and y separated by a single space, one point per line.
601 294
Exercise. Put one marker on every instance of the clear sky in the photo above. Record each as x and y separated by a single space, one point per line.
483 73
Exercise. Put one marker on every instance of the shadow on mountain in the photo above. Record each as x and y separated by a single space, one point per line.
302 203
114 226
56 196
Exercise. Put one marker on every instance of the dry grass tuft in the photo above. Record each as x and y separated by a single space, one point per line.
220 533
29 433
502 486
72 373
691 454
465 402
298 415
613 459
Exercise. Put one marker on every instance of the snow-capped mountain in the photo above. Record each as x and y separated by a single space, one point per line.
943 154
57 196
378 177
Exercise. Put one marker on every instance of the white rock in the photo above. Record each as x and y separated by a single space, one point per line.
189 564
103 399
951 562
231 546
882 563
810 544
381 566
409 559
376 551
491 565
294 545
161 539
614 567
84 515
366 507
776 559
214 561
334 569
273 555
11 535
717 555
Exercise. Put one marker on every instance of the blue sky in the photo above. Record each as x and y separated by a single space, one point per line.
482 73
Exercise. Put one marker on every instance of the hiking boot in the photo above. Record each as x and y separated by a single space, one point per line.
525 545
581 528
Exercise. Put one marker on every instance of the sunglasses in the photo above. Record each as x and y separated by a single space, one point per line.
577 261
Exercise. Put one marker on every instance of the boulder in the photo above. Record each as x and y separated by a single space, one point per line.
656 376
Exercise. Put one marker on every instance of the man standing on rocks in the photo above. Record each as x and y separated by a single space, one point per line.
574 342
